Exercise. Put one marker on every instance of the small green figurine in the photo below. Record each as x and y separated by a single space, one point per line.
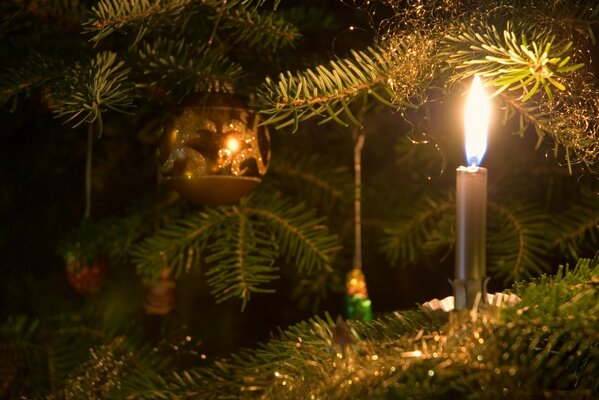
359 306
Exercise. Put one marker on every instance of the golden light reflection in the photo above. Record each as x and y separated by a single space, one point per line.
232 144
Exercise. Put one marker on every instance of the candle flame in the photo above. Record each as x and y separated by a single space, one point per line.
477 122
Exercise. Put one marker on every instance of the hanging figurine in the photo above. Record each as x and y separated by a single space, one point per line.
160 295
359 306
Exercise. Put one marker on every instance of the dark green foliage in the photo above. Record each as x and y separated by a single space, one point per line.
303 238
517 241
241 244
545 345
109 16
244 256
404 240
93 61
266 30
179 243
50 357
163 47
110 237
28 75
240 18
183 68
578 225
329 184
519 235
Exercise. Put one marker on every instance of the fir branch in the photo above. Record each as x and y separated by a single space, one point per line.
31 73
303 238
18 349
578 226
316 177
178 64
299 349
90 90
244 258
266 30
516 237
110 15
243 243
403 241
312 19
109 237
312 179
520 59
179 243
571 122
327 91
529 113
517 241
579 16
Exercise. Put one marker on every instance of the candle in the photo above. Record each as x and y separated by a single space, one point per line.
471 204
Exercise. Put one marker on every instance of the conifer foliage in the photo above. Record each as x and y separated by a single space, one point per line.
119 67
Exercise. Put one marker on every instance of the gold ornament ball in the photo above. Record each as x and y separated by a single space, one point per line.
213 150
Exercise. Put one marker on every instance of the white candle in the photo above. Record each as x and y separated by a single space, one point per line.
471 204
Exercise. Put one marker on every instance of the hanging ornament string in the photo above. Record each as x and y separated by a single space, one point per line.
359 137
88 170
213 34
359 306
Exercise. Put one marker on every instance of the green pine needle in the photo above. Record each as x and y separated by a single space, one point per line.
243 256
176 66
241 244
578 225
327 91
517 241
303 238
89 90
179 244
31 73
519 59
404 240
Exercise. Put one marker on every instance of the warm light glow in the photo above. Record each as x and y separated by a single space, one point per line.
477 122
233 144
416 353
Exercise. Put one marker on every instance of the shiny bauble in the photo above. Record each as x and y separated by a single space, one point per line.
86 278
160 295
213 150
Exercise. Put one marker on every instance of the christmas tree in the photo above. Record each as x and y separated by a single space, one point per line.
184 179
